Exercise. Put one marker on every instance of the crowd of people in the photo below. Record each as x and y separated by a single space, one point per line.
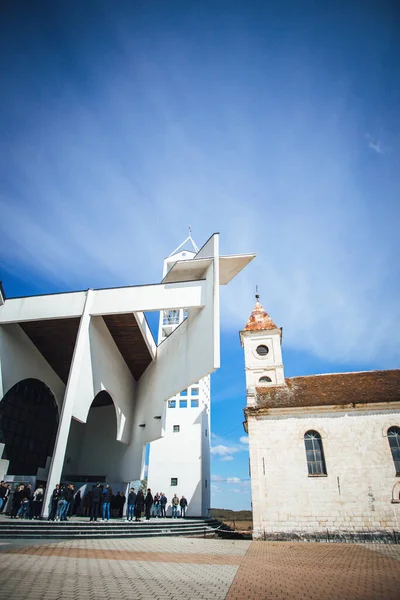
25 503
96 503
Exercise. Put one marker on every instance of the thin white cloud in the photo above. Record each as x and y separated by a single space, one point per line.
226 451
244 439
374 144
221 478
222 450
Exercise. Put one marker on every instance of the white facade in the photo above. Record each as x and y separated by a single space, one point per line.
179 462
357 485
110 382
360 491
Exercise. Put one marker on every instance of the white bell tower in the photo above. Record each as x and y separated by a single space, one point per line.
179 462
261 340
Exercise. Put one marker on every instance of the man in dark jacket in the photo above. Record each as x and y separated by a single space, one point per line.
183 505
139 505
53 502
163 504
131 504
96 500
17 500
69 496
107 494
148 502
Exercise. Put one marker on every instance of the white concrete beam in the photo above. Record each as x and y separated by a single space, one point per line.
35 308
148 298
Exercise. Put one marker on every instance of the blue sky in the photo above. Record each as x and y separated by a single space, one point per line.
274 123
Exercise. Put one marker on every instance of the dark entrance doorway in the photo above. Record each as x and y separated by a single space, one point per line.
28 426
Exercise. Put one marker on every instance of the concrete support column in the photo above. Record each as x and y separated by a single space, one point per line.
60 447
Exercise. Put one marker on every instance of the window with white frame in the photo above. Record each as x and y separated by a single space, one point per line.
314 453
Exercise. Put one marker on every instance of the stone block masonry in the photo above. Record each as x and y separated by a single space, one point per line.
359 491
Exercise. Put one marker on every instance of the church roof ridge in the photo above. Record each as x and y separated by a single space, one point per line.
341 373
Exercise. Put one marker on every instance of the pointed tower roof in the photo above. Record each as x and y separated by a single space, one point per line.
183 246
259 318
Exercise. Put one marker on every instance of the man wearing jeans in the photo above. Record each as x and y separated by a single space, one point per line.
175 504
131 504
183 505
107 493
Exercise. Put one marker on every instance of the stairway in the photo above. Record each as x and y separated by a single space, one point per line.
81 528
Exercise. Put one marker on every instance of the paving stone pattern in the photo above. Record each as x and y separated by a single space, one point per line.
180 568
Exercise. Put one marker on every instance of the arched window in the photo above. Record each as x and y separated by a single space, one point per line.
314 453
394 443
265 379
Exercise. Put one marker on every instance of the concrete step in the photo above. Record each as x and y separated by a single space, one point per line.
85 530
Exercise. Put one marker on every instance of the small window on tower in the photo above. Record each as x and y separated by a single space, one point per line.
176 428
174 481
262 350
194 403
195 391
171 403
182 403
184 393
265 379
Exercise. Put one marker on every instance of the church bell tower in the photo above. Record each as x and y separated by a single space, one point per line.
261 340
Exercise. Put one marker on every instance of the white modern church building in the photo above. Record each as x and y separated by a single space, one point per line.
84 387
180 460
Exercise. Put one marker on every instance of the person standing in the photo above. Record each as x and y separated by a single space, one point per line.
2 494
163 504
131 504
156 505
107 494
62 502
53 502
95 504
37 502
148 502
139 505
17 501
6 497
175 504
69 496
183 504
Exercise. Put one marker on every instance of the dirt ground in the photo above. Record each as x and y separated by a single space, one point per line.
240 525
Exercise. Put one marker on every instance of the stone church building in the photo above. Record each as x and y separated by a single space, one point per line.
324 449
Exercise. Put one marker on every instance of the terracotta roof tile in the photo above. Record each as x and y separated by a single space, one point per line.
332 389
259 319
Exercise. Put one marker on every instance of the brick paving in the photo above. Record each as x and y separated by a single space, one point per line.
179 568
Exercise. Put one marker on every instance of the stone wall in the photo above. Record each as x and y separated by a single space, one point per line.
356 494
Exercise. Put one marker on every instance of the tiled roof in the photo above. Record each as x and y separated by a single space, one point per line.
332 390
259 319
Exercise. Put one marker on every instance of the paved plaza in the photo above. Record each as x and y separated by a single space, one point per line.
185 568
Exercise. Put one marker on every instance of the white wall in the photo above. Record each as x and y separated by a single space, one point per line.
93 449
179 455
190 353
20 359
357 491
